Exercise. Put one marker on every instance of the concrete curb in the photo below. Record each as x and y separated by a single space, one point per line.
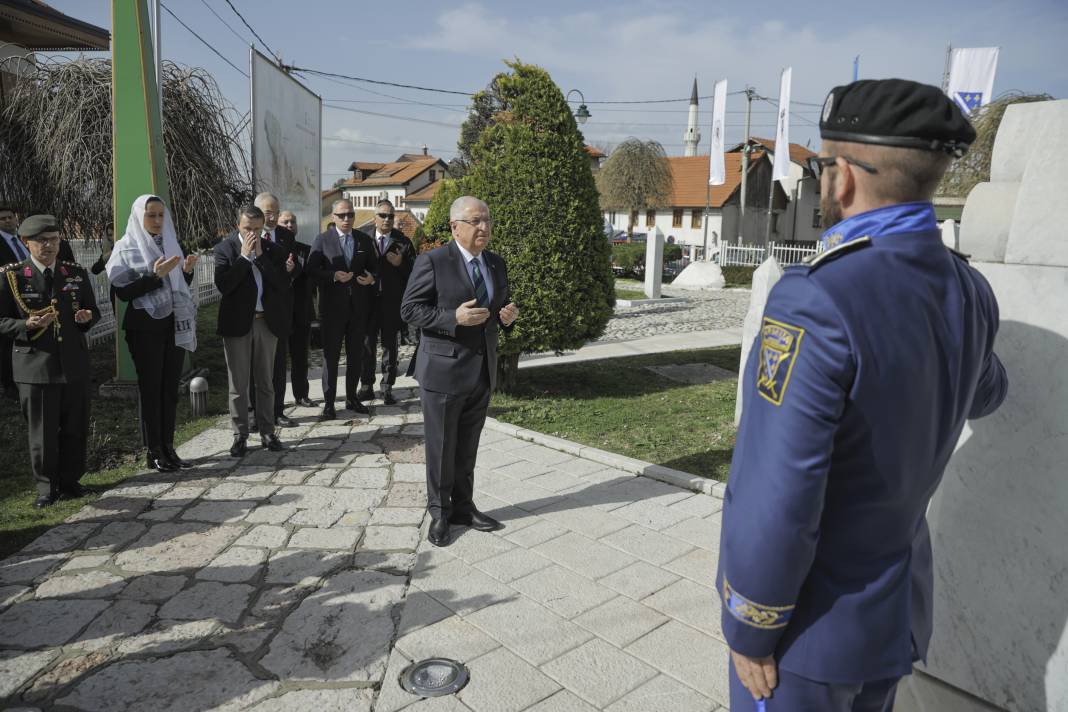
610 459
644 302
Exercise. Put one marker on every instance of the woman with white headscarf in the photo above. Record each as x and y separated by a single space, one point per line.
160 322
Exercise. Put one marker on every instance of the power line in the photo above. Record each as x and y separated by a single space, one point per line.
254 33
203 41
341 139
391 116
372 81
230 27
388 96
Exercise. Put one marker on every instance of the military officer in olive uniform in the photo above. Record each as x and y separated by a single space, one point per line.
46 308
870 359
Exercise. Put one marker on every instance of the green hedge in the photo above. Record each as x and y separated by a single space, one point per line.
738 276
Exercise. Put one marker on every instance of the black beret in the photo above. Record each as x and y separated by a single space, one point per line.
36 224
896 112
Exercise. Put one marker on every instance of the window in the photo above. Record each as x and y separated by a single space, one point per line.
817 219
695 219
650 218
433 175
676 217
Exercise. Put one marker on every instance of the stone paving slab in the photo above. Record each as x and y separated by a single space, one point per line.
303 580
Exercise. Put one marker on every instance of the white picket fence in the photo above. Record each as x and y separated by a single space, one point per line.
754 255
86 253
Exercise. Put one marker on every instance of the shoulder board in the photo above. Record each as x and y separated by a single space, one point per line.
959 254
73 264
835 252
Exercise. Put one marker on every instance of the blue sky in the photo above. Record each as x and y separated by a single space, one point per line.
609 50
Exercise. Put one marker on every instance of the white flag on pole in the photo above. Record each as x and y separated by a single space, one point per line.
717 171
971 76
781 169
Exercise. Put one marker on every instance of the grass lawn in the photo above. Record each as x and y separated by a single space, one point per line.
619 406
630 289
114 451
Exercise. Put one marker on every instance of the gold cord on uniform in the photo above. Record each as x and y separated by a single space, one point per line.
44 311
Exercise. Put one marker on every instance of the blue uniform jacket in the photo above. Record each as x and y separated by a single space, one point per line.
858 386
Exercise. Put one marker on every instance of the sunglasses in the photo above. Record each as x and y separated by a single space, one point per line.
816 164
385 216
344 216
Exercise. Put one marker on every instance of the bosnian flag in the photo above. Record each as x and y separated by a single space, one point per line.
717 171
971 77
781 168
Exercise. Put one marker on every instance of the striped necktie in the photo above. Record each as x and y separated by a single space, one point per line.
480 284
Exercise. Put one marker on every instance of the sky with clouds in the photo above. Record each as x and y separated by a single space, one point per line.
610 50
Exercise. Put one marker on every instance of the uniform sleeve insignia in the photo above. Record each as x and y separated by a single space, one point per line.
755 614
779 346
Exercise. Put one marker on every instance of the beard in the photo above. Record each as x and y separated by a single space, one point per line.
830 209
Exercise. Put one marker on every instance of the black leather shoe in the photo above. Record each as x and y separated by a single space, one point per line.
240 446
272 443
357 407
172 456
72 491
365 393
45 500
305 402
476 520
158 461
281 421
328 414
387 396
439 532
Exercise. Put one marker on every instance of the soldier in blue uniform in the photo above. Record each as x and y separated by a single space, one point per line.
47 306
870 358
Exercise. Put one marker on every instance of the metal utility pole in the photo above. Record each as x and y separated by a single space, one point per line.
749 92
945 71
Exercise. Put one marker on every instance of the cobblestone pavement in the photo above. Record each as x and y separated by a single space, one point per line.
301 580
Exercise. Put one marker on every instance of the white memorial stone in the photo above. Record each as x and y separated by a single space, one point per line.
764 278
654 263
951 234
998 522
699 275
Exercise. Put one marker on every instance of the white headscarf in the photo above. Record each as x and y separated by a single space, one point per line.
135 255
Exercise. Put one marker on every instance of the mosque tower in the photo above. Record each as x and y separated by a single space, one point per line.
692 137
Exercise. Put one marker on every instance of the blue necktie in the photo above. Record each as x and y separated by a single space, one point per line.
346 246
480 285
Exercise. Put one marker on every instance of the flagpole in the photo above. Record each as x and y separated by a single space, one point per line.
945 70
771 190
745 161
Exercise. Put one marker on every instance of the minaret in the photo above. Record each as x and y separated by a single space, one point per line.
692 137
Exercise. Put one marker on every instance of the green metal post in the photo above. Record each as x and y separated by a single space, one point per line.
139 164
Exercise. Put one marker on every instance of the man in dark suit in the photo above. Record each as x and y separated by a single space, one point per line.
396 255
303 315
11 251
253 275
457 295
343 262
46 308
286 241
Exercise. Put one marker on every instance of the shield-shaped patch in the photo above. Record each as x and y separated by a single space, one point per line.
779 346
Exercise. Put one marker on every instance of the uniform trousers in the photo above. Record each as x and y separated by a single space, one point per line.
389 329
7 380
244 354
452 426
158 362
798 694
57 419
350 329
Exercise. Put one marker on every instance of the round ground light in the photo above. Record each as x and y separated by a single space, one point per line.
434 677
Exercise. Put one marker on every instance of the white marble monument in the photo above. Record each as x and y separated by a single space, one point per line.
999 521
654 263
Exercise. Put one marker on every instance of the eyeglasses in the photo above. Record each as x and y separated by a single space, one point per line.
46 241
475 222
344 216
816 164
385 216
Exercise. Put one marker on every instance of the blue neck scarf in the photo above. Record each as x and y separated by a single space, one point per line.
891 220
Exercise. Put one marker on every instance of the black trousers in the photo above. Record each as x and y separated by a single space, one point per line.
453 425
7 381
280 352
389 330
349 329
158 362
57 419
299 344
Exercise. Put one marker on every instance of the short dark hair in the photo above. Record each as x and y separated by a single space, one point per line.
905 175
386 201
251 212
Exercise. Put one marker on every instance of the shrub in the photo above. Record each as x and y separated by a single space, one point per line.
738 276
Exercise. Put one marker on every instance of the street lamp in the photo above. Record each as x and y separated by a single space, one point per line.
581 113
